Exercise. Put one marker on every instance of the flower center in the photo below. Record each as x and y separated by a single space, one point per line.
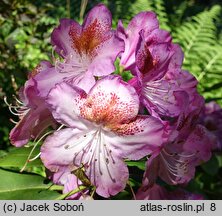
104 114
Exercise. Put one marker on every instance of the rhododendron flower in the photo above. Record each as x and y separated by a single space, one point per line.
157 192
163 87
188 145
103 128
33 113
101 125
211 118
87 51
147 22
156 63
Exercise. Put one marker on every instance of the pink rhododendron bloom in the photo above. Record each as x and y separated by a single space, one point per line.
164 89
33 114
157 116
156 63
87 50
103 128
187 146
211 118
147 22
157 192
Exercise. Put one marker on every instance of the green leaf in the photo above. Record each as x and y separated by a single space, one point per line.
24 187
139 164
219 158
17 157
211 167
123 195
213 87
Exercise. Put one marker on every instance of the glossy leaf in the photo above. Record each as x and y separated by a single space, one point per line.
17 157
24 187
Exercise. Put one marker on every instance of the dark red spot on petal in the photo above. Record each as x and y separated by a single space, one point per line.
89 39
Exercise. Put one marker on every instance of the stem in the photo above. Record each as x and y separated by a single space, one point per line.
56 187
134 196
68 8
77 190
82 9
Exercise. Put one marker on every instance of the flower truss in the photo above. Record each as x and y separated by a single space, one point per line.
100 122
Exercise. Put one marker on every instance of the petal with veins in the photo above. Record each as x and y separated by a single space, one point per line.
137 138
163 98
64 102
71 146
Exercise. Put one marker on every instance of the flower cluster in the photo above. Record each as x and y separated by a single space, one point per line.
99 120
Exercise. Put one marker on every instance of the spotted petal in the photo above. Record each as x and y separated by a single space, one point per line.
143 20
107 133
60 38
111 100
138 138
90 49
152 60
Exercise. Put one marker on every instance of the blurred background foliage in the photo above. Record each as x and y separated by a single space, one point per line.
25 28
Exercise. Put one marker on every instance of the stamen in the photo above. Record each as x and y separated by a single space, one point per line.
109 153
61 126
99 153
106 158
188 155
20 102
173 170
132 191
34 149
22 110
32 159
92 151
181 162
153 89
18 110
6 102
15 122
14 113
53 53
88 145
75 68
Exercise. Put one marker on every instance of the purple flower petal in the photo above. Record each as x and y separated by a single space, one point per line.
163 97
64 101
32 124
46 77
101 15
60 38
109 131
153 60
111 100
211 118
143 20
71 146
157 192
34 116
88 50
137 139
